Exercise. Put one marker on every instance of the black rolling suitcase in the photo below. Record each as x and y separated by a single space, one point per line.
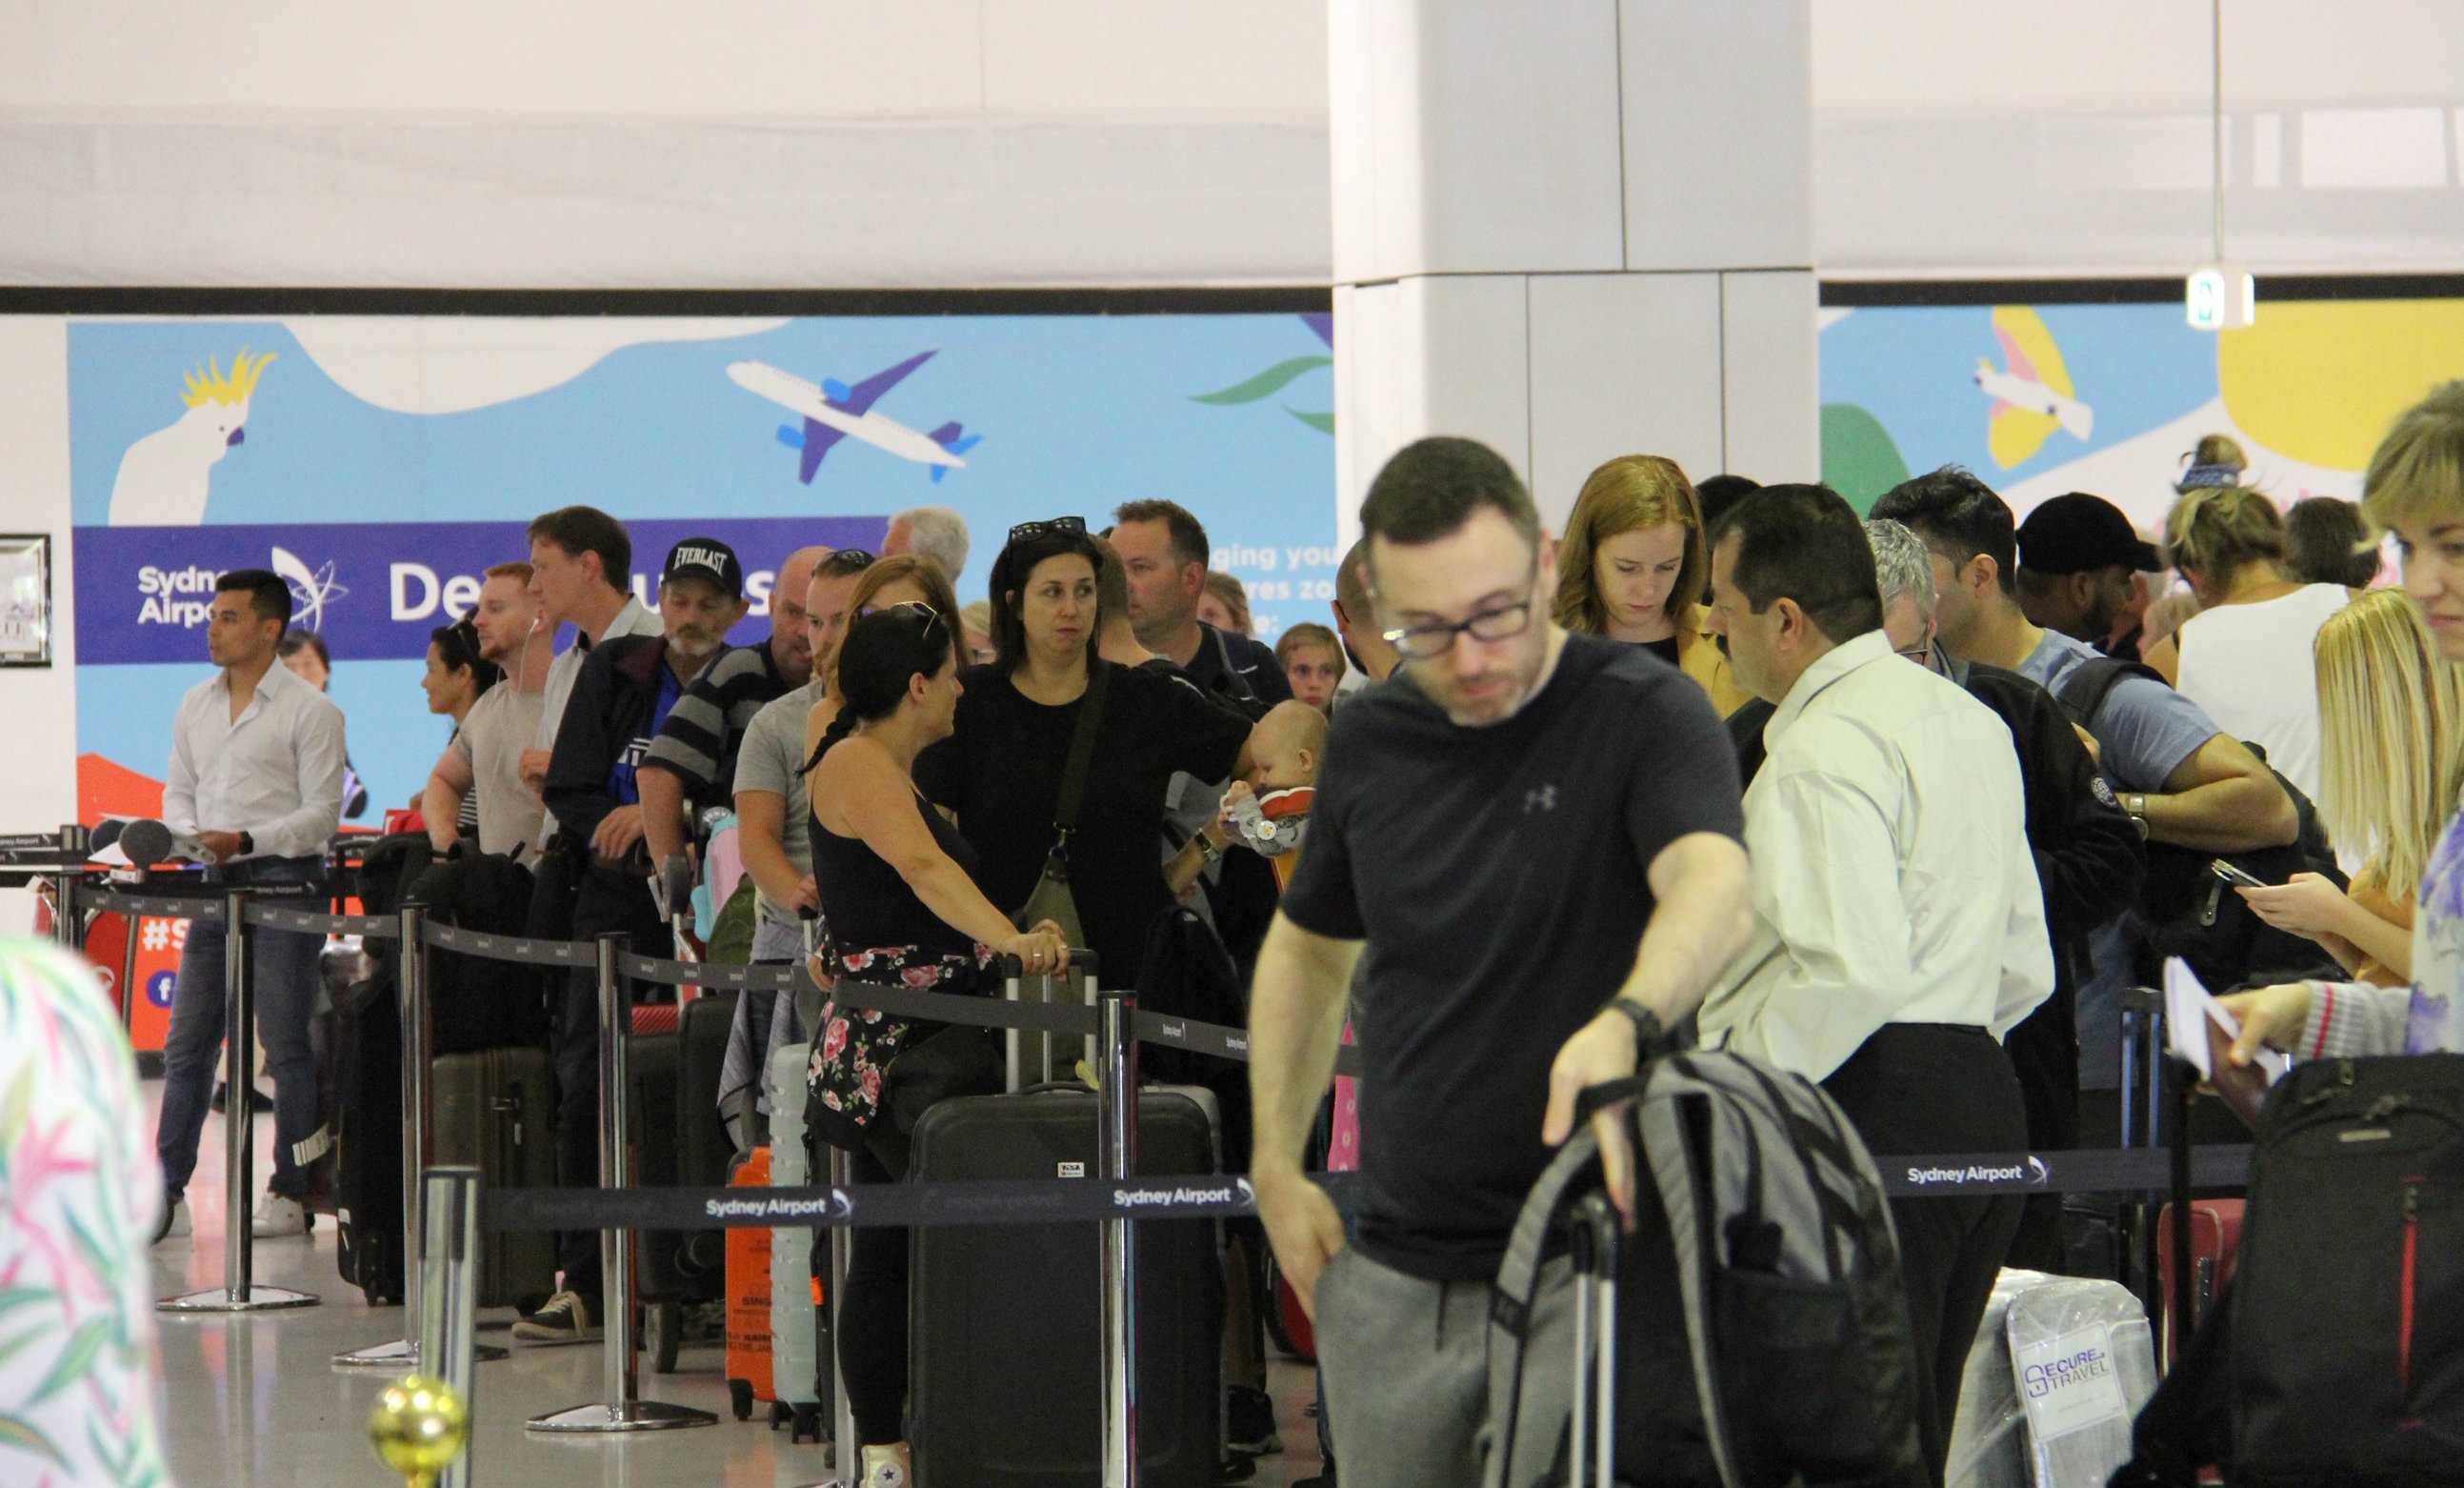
367 1137
1003 1374
678 1139
493 1112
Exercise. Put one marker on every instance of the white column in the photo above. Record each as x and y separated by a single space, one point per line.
1574 230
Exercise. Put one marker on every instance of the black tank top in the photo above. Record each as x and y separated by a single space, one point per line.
865 901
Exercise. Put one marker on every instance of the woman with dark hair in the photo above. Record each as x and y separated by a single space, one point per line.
456 678
904 911
1002 771
2328 541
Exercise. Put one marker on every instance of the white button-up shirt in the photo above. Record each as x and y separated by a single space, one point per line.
1892 881
275 773
634 619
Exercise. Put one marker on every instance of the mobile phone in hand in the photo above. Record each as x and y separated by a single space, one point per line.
2235 876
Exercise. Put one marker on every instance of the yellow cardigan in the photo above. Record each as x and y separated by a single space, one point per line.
1699 655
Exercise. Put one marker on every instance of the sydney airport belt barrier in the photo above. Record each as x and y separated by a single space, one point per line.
2128 1170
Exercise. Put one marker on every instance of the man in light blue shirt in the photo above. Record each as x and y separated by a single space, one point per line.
257 778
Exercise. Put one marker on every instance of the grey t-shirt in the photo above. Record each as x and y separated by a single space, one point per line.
772 759
499 726
2144 730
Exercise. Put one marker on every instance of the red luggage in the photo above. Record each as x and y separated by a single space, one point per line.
2215 1249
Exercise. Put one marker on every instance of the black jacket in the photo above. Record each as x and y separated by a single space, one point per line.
1238 669
613 697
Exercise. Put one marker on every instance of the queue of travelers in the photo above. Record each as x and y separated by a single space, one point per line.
1894 801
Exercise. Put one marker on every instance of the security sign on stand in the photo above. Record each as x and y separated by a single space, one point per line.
2216 298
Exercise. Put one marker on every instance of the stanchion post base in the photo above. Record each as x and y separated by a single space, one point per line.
599 1419
218 1299
404 1353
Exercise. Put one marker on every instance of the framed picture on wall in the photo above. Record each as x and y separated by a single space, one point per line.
25 600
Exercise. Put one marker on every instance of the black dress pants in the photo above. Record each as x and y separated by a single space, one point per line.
1916 1088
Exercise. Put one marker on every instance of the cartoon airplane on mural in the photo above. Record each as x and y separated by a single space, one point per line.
834 410
2032 394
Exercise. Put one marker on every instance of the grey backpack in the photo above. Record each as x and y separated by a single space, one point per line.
1753 1328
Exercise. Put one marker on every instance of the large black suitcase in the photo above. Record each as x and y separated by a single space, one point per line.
678 1140
367 1137
1004 1386
493 1112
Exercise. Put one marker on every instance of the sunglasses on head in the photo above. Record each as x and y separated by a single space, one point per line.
1036 529
932 616
856 556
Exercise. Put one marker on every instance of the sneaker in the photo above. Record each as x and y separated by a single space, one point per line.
887 1467
565 1319
1249 1421
174 1223
278 1217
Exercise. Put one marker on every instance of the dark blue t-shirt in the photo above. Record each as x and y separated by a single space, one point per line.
622 786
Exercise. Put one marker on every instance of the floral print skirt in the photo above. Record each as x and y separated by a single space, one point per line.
853 1052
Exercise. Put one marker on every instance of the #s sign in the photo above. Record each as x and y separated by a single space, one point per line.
2210 303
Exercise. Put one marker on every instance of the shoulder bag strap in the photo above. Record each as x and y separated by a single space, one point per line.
1082 754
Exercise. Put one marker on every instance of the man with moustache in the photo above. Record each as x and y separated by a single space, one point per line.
691 765
620 700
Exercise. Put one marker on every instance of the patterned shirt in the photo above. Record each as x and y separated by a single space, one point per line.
79 1195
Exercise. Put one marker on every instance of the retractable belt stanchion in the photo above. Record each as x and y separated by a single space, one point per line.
237 1293
68 921
1116 1154
449 1293
846 1458
624 1409
418 1121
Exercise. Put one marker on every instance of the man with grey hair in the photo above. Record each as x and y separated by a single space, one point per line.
934 532
2089 862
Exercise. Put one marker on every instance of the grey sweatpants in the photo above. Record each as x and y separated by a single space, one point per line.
1405 1365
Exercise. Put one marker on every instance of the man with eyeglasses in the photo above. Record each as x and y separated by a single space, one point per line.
2089 860
1532 840
1898 928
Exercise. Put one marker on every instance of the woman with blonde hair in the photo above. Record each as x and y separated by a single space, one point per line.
2414 487
2238 656
2391 739
1633 566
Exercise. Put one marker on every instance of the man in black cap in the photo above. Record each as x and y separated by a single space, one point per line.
2079 562
620 701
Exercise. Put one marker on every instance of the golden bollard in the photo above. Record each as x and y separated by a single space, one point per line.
418 1428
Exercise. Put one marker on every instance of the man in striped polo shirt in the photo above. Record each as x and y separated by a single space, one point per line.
692 762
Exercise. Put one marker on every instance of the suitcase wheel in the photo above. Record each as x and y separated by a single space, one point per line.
739 1392
807 1424
663 1334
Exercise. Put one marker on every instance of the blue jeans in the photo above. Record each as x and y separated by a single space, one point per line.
283 970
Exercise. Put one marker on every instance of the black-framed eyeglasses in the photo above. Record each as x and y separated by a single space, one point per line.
1504 622
1036 529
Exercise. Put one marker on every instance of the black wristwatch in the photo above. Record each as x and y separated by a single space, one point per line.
1648 1032
247 845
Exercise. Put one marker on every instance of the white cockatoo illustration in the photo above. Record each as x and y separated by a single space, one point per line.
164 478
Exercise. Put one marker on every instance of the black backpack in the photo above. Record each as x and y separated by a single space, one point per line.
481 1002
2337 1357
2195 915
1185 972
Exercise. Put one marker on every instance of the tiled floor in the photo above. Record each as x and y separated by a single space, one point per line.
257 1401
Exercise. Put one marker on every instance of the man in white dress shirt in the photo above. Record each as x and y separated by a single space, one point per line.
1898 928
257 777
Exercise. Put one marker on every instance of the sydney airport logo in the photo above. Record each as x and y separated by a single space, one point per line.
185 597
2033 1173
